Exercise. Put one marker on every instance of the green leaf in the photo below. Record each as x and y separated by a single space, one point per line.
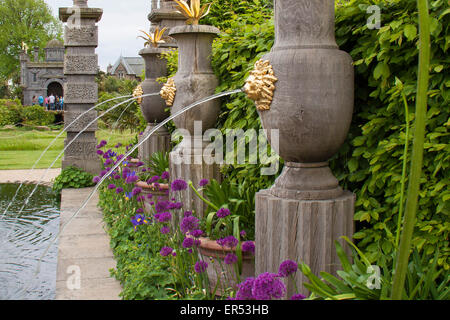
410 32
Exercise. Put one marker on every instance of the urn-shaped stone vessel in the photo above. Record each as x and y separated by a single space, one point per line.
195 78
313 102
154 107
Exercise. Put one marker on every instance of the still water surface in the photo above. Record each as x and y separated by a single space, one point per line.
23 240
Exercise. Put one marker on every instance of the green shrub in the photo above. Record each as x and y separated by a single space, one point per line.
10 112
36 115
72 177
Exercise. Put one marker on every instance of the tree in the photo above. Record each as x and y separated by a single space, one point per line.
23 21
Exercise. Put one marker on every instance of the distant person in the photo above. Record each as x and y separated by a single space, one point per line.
51 101
61 101
41 100
34 101
46 103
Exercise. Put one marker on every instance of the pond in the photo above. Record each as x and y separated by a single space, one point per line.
23 240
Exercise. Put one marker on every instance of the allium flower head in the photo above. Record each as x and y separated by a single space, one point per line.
179 185
268 286
165 175
165 230
96 179
287 268
111 186
196 233
188 243
298 297
200 266
248 246
230 242
119 190
136 191
165 251
223 212
189 223
230 258
245 289
203 182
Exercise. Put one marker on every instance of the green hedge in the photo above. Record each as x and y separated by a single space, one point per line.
13 113
10 112
36 115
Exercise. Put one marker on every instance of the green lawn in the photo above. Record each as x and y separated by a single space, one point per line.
21 147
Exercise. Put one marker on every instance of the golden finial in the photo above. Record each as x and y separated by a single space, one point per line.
259 86
168 92
194 12
137 94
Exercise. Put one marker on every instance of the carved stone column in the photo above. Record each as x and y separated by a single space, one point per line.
194 80
301 216
80 90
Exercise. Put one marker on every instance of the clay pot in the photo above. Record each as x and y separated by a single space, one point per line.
312 105
214 255
158 194
195 78
153 107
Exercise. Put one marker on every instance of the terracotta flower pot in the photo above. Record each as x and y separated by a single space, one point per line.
158 194
214 255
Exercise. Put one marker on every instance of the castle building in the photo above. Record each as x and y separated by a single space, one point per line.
42 77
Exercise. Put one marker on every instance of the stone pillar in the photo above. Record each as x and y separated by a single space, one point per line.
80 89
301 216
154 107
194 80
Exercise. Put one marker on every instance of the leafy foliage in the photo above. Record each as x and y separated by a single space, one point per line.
37 115
10 112
362 281
72 177
28 21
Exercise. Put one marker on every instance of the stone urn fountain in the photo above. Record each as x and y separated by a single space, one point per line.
154 108
193 81
305 89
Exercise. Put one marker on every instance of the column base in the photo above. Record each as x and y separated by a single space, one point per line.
187 165
303 231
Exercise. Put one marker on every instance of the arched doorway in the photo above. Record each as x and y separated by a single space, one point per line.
55 88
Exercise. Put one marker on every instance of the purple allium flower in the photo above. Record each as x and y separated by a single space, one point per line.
149 196
179 185
117 177
119 190
196 233
108 162
165 175
187 214
140 198
298 297
223 212
268 286
103 172
139 164
96 179
243 233
230 242
189 224
287 268
248 246
203 182
164 217
111 186
131 177
162 206
118 145
200 266
175 205
153 179
103 143
230 258
188 243
99 152
245 289
136 191
165 251
165 230
140 210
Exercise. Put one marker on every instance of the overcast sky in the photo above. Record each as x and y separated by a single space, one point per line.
118 28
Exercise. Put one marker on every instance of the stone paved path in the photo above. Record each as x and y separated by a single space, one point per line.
84 248
28 176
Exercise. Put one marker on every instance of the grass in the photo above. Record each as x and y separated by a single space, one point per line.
21 147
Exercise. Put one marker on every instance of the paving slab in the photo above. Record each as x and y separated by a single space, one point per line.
84 253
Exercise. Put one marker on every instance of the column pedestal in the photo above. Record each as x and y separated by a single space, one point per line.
187 163
158 142
303 231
